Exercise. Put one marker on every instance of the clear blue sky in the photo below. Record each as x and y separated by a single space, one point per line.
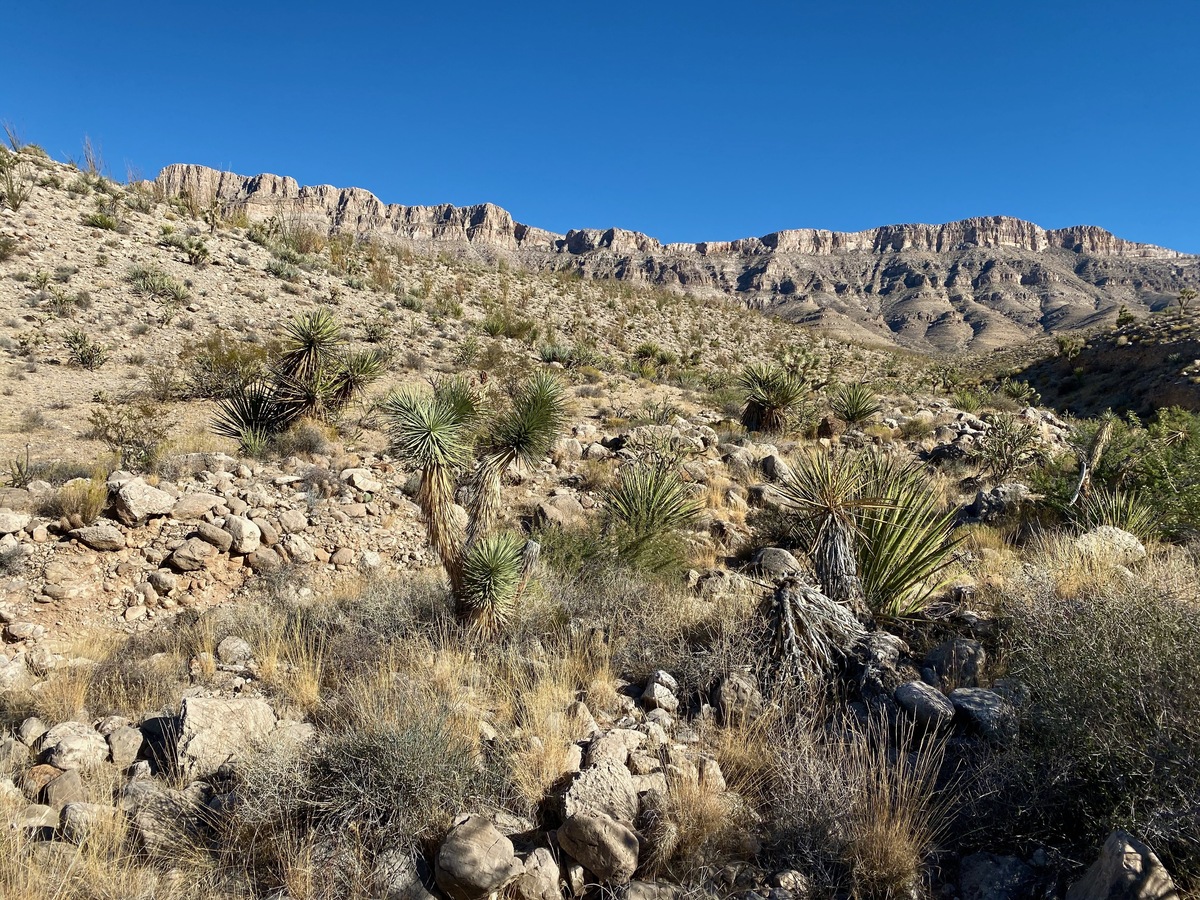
698 121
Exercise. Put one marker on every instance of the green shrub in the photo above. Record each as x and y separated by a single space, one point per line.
220 364
80 501
85 352
136 429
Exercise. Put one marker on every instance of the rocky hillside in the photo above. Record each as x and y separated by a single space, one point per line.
978 284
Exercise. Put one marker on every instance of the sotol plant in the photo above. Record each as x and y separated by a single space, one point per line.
450 435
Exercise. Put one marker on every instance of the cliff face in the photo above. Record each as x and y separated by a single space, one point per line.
977 284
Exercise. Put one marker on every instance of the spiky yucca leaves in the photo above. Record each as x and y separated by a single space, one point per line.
523 434
493 575
905 542
646 507
253 410
772 392
853 403
428 433
312 345
355 372
1126 510
827 491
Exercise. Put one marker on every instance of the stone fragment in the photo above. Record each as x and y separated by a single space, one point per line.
215 731
925 703
135 502
245 535
100 537
1125 870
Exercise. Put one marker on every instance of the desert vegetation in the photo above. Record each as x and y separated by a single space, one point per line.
334 568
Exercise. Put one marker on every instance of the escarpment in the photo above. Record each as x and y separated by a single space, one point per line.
974 284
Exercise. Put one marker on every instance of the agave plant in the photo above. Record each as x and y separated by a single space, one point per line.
772 393
1126 510
854 404
253 409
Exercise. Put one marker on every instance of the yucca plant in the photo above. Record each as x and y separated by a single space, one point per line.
312 345
356 371
827 491
905 543
436 434
1126 510
523 434
495 570
253 413
772 393
646 508
854 404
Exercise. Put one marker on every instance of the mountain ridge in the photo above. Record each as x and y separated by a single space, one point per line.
974 284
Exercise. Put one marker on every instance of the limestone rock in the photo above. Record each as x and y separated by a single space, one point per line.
193 554
925 703
12 522
79 821
100 537
135 502
542 878
244 533
605 847
215 731
1125 870
604 788
74 745
1111 545
475 860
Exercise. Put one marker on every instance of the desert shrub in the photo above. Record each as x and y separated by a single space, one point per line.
855 807
305 437
1009 446
916 429
83 351
15 186
967 400
136 429
102 220
219 365
854 404
8 247
284 271
1109 737
505 324
81 500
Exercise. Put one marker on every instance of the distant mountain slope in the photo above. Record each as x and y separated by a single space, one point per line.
976 284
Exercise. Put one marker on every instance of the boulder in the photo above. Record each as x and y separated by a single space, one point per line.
218 537
1125 870
658 696
563 511
737 699
245 534
986 713
191 507
606 788
79 821
1111 545
775 562
100 537
214 731
542 878
234 651
605 847
958 662
475 860
66 788
925 703
12 522
74 745
164 820
986 876
135 502
124 746
193 554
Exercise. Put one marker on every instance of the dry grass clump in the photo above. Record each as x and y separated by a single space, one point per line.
855 807
80 501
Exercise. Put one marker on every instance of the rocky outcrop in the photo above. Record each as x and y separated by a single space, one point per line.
978 282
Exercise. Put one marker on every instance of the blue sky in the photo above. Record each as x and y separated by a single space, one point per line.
699 121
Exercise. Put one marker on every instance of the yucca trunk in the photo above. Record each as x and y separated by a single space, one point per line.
485 504
837 566
436 500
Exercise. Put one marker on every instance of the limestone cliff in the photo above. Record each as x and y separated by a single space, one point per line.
978 283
